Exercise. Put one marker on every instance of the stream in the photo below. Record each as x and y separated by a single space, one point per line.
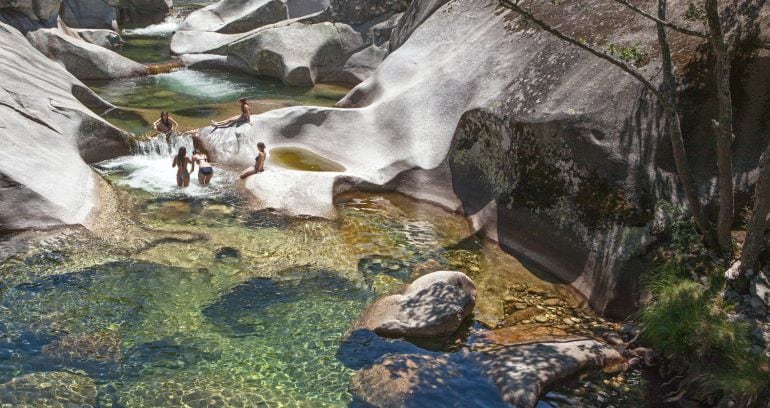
188 297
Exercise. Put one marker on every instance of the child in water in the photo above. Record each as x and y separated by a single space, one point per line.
180 162
205 171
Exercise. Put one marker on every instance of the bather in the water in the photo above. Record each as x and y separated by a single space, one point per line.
205 171
182 173
165 124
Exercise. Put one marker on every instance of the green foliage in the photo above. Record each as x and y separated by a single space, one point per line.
695 13
633 54
689 321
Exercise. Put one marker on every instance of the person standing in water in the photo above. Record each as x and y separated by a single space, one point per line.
165 124
259 162
245 116
180 162
205 171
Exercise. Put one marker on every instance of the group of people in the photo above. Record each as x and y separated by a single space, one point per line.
186 165
205 170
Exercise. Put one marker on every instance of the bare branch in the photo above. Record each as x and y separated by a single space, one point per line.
513 5
659 21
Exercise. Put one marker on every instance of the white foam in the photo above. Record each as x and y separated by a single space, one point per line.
162 29
150 170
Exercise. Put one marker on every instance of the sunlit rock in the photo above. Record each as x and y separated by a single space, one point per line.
432 306
53 389
235 16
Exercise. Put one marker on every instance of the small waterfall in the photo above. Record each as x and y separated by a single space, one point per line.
162 146
163 29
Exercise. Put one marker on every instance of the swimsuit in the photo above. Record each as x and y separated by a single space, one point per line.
205 170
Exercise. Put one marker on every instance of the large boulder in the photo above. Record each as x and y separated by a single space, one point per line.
144 12
49 136
298 54
90 13
235 16
83 59
42 10
432 306
414 16
356 12
505 376
554 153
104 38
301 8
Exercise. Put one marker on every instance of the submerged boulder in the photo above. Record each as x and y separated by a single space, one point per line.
49 389
432 306
104 38
235 16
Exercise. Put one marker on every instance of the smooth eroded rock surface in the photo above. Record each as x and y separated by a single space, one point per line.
432 306
236 16
83 59
49 135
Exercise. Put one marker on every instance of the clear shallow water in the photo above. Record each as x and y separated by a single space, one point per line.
217 305
194 98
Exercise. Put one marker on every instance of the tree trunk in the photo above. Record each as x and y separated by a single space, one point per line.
674 128
755 231
723 128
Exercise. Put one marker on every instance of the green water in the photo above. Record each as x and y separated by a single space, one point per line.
146 49
194 98
199 301
298 158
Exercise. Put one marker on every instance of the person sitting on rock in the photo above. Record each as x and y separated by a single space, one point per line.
205 171
244 117
165 124
259 162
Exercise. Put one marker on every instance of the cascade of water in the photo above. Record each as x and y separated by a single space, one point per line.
162 146
163 29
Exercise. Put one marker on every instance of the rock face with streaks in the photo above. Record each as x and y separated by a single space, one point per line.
343 43
235 16
560 164
50 136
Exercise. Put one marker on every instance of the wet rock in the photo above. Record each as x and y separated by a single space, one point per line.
227 253
542 318
612 338
300 8
510 336
103 38
235 16
53 389
104 346
552 302
410 380
523 372
432 306
520 315
361 348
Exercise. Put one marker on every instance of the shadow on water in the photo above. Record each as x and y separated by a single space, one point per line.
247 307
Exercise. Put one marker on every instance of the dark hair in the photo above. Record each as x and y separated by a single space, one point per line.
261 146
242 100
181 156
